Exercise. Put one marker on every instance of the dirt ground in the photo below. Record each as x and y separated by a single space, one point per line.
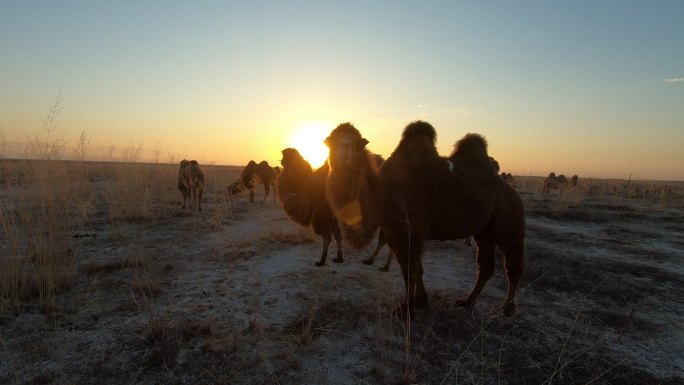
230 295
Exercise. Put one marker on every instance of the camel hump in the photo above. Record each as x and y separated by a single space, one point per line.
471 145
346 128
419 128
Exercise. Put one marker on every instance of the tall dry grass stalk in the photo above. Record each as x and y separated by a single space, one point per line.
48 146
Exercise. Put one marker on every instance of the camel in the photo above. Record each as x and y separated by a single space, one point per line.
508 178
191 183
573 182
253 172
416 196
301 192
554 182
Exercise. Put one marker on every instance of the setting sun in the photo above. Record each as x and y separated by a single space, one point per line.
308 139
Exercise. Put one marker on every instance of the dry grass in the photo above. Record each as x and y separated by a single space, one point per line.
155 294
35 255
42 203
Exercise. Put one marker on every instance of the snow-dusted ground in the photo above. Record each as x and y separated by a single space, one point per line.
242 302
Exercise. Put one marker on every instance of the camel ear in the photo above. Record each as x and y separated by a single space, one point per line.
362 143
327 142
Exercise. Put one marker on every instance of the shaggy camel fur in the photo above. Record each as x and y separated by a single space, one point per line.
191 183
301 192
253 172
495 164
417 195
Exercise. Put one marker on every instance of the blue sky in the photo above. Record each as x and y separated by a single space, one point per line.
593 88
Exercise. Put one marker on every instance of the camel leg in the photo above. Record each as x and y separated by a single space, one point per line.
409 261
380 245
514 260
324 255
266 191
199 199
387 262
421 295
338 242
485 270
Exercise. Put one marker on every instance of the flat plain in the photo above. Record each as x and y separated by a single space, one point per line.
105 279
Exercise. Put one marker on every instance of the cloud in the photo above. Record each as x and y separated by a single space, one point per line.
674 80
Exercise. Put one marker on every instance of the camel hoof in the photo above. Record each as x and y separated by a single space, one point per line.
509 309
384 268
367 261
320 263
338 260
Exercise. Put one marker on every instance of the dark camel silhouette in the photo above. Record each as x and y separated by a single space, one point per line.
416 195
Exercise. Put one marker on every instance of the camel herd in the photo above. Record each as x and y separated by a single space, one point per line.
414 196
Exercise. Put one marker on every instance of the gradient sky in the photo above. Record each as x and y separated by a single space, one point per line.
594 88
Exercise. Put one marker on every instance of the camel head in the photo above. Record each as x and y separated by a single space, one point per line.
236 187
292 158
184 163
353 187
346 144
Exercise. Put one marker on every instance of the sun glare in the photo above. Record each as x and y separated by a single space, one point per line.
308 140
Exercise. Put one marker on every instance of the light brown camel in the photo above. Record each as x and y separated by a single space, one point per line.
251 174
554 182
417 195
301 192
191 183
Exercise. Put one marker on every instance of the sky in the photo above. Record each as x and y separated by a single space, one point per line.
594 88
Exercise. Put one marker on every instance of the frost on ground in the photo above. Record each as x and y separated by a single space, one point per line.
231 295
